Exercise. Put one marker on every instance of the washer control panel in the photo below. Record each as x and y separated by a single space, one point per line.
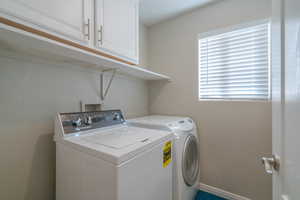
81 121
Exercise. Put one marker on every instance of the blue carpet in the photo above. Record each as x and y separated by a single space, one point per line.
207 196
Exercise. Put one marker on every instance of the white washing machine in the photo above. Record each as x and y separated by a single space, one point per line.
100 157
186 159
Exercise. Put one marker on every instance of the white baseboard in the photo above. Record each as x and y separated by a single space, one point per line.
220 192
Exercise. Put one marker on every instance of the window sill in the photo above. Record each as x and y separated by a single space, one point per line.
236 100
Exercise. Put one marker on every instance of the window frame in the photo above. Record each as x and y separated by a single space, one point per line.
231 29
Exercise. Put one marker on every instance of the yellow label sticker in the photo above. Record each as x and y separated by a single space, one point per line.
167 153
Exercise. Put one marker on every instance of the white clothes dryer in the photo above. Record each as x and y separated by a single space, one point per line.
186 149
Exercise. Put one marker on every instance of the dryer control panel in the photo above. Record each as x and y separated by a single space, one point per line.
186 124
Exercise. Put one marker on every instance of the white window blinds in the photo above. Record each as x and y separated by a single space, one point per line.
235 64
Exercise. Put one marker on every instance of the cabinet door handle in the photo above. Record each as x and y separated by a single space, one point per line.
100 31
88 35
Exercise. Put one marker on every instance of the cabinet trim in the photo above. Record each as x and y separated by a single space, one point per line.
58 39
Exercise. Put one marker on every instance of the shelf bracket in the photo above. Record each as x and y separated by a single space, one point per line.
104 92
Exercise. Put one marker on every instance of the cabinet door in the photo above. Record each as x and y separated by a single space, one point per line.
70 19
117 27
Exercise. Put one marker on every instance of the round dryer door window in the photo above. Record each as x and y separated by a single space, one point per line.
190 160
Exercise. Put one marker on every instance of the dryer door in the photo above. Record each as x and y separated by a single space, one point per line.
190 160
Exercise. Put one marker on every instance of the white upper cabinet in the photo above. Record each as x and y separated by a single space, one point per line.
116 28
111 26
70 19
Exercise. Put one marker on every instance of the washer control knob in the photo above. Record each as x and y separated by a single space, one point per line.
88 120
77 122
116 116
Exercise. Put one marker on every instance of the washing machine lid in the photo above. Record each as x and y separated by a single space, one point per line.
118 138
118 144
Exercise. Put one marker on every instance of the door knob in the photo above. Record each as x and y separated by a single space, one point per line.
271 164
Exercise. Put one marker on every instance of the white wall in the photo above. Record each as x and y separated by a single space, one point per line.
31 92
143 45
233 135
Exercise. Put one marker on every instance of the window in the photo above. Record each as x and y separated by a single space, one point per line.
235 64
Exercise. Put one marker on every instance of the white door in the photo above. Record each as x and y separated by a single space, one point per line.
286 98
117 27
70 19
